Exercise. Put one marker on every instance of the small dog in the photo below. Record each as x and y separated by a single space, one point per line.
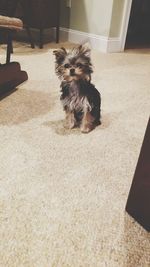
81 100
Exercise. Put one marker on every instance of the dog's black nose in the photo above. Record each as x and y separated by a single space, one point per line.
72 72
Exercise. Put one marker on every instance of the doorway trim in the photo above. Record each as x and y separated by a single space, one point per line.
125 23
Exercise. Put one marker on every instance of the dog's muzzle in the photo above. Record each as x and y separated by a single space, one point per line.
72 72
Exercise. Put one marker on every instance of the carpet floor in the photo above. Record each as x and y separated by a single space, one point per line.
63 193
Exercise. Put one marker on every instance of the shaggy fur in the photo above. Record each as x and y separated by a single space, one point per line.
81 100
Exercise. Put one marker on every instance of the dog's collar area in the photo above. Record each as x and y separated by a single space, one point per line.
75 81
87 79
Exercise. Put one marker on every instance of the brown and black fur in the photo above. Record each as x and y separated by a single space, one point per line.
81 100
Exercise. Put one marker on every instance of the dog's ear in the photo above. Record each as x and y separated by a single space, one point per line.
60 54
85 50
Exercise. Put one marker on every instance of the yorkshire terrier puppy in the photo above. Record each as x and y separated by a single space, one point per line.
81 100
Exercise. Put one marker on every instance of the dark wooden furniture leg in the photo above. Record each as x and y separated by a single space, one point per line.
58 22
30 37
138 204
9 47
57 34
41 38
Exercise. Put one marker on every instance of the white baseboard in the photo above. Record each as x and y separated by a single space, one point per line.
114 45
101 43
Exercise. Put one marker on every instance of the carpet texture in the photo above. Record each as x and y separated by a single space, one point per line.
63 193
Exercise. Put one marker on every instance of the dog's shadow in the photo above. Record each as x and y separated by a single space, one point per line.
59 128
105 121
108 119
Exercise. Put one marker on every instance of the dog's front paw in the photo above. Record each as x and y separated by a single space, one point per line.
69 125
86 129
70 121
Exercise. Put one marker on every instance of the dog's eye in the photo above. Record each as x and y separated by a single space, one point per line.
66 65
79 65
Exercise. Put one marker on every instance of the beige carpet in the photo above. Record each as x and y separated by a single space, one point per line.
63 193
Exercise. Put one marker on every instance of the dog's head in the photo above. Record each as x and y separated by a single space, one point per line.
75 64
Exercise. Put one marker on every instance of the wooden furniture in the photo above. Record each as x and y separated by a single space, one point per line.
8 24
11 76
138 204
41 15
